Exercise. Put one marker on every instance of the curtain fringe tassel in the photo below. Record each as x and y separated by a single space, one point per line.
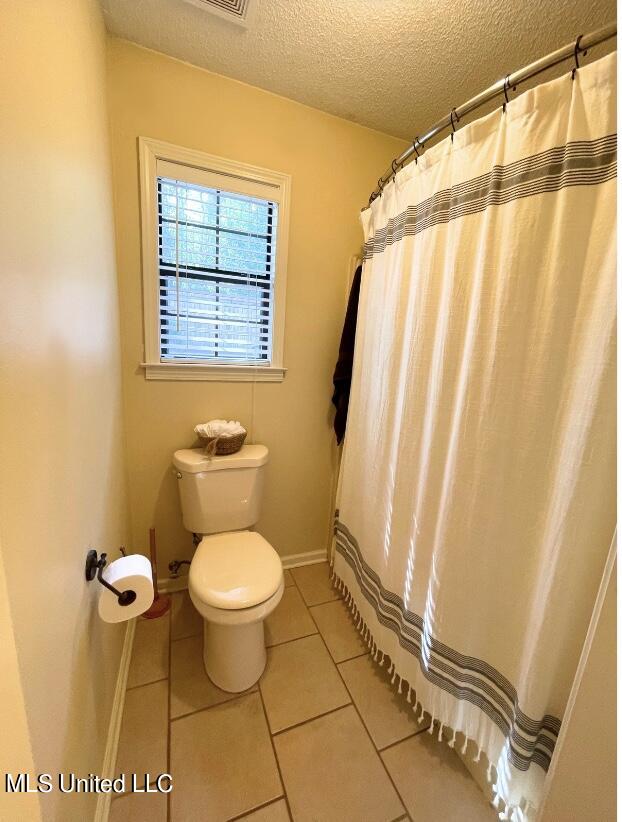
514 814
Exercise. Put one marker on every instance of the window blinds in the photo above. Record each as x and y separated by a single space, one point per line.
216 256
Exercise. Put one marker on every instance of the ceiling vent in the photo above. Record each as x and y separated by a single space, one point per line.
236 11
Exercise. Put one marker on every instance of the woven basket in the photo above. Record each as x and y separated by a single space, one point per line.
221 446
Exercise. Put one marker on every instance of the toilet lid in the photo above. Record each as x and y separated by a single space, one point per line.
238 569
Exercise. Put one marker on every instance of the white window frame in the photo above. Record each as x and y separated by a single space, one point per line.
279 184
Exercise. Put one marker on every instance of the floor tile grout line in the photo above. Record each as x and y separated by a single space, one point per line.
386 770
338 595
284 797
144 684
391 744
282 731
273 735
291 816
406 815
317 627
187 636
403 739
358 713
332 659
350 658
256 808
318 604
376 747
182 638
231 698
275 799
276 757
293 639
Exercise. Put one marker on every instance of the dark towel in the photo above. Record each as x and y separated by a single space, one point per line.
343 370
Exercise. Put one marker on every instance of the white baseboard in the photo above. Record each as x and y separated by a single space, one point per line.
116 715
308 558
170 585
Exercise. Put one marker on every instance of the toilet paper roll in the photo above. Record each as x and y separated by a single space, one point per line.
131 573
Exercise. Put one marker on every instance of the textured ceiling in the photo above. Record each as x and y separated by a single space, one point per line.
394 65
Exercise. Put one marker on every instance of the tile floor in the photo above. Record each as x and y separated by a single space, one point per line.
323 737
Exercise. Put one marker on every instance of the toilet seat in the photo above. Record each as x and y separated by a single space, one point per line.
235 571
237 616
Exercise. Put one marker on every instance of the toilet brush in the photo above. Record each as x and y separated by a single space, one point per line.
161 602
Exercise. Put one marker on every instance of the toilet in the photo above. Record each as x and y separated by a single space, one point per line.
236 576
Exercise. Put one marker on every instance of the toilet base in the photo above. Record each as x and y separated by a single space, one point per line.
234 655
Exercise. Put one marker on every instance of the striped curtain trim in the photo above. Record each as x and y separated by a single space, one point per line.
464 677
581 163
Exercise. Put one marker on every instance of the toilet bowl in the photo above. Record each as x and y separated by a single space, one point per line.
236 581
236 576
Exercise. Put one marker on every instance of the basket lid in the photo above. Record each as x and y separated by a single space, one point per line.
196 461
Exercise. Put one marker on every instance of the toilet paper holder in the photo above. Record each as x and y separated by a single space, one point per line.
95 566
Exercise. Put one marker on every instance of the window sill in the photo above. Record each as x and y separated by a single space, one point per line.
213 373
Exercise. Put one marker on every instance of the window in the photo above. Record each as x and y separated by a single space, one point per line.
214 253
215 260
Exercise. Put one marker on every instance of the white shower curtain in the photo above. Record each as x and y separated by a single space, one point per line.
477 492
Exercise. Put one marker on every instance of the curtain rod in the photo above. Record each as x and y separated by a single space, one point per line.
581 44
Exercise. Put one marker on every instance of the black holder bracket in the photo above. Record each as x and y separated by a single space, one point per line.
94 566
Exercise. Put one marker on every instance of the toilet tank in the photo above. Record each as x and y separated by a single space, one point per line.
220 493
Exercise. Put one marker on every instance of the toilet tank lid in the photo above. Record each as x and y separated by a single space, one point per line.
195 461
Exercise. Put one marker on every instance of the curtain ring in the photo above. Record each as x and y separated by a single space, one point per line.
453 114
394 167
506 86
377 192
577 49
416 150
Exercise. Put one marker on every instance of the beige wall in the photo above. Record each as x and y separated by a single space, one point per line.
62 485
583 781
333 164
16 757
